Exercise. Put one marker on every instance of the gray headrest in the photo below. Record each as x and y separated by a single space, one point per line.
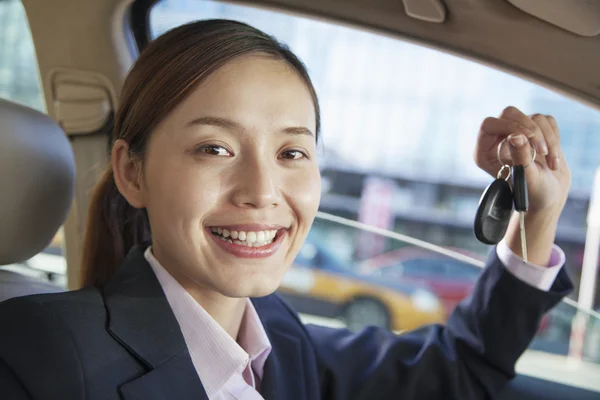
37 177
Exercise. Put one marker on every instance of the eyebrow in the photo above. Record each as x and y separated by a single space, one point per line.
226 123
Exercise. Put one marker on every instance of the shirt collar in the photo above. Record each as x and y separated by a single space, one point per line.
214 353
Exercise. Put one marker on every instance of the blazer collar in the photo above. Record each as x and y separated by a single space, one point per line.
284 372
140 318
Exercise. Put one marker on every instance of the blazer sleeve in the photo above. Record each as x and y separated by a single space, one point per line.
10 386
471 357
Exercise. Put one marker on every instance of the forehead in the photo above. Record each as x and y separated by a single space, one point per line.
254 90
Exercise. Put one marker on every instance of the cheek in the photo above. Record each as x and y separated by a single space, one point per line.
181 192
305 192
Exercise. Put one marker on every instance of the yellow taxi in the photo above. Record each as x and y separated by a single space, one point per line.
320 284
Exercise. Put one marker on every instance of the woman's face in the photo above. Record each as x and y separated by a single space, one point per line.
231 181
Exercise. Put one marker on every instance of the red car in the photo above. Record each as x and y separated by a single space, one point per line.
451 280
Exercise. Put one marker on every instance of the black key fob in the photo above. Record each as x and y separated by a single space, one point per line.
494 212
521 197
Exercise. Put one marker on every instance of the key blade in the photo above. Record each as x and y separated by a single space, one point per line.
523 235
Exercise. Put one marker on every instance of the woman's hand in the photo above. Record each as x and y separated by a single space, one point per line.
548 178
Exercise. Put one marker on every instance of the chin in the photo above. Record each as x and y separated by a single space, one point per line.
251 287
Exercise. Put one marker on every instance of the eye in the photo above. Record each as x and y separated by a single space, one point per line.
293 155
214 150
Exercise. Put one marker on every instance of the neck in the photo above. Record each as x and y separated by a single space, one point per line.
228 312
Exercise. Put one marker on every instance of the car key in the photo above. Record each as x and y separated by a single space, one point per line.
521 200
494 210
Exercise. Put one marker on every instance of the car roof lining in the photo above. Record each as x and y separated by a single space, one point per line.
471 30
579 17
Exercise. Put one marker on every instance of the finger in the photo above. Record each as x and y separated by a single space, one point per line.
520 151
553 124
536 137
556 130
493 130
552 140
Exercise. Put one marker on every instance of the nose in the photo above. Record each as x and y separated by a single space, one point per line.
257 184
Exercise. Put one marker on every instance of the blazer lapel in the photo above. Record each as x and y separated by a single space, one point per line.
141 319
175 379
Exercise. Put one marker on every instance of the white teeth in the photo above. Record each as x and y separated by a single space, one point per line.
250 239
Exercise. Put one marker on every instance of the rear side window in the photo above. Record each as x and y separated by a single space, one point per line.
19 76
20 83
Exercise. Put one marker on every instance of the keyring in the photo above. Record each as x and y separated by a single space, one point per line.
504 167
500 149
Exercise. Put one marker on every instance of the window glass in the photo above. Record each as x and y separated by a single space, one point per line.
19 82
400 123
19 76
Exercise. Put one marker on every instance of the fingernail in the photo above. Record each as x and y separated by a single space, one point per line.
543 148
517 140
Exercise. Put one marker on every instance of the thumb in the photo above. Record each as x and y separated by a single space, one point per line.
521 152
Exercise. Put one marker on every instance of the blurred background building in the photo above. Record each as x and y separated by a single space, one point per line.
391 109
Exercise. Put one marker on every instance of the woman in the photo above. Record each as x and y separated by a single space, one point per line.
212 189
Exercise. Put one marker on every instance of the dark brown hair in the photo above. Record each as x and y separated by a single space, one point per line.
166 72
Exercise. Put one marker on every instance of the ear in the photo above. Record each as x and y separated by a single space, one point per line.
128 174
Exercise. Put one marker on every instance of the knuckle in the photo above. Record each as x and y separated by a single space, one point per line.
486 123
510 110
553 123
537 118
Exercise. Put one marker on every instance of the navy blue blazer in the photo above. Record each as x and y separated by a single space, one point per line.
123 342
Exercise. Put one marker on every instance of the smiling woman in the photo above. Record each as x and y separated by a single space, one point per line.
212 189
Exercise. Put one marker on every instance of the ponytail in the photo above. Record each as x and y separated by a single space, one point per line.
113 228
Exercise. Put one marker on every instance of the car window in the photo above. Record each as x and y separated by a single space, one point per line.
19 75
399 128
20 83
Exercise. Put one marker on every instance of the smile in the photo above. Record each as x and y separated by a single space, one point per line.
258 241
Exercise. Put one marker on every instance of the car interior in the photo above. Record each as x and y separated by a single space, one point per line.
49 162
38 166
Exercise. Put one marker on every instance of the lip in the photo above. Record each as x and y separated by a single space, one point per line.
240 251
